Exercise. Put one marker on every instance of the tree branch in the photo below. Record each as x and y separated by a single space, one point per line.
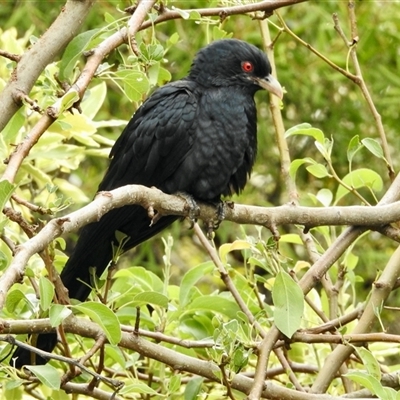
262 6
8 107
377 216
43 52
176 360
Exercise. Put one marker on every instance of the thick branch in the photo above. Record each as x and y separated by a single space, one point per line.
175 205
176 360
32 62
264 6
94 60
381 290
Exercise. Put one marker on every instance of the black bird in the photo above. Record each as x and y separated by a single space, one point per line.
197 135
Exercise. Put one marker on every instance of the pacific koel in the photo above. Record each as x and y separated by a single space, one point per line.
197 135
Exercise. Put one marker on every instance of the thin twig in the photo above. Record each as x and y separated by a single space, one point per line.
10 244
46 355
10 56
286 365
226 279
381 290
337 323
352 45
161 337
30 206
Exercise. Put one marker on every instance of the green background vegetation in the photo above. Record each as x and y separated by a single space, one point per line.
64 169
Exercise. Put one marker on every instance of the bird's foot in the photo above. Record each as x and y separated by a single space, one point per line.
154 215
191 207
213 224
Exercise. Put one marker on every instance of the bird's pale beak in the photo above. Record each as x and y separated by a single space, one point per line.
271 84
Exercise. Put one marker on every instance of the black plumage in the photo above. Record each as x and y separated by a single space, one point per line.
197 135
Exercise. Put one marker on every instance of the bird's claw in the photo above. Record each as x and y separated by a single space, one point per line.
155 219
220 213
191 206
154 215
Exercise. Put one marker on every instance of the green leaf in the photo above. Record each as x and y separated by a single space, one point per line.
183 13
173 39
155 52
138 387
193 388
6 190
353 147
11 130
215 304
164 76
187 14
154 298
370 362
390 393
10 385
46 374
71 191
291 238
374 147
41 178
143 278
108 18
104 317
358 178
219 33
73 51
81 128
191 278
46 290
93 100
308 130
135 83
174 383
367 381
318 170
5 258
296 164
195 15
229 247
68 100
13 299
288 300
58 313
350 261
152 73
325 197
158 75
325 148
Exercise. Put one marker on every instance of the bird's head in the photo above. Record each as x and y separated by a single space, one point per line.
230 62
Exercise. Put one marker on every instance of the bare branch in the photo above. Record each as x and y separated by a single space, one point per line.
381 290
175 205
345 339
95 393
176 360
94 59
262 6
352 46
10 56
43 52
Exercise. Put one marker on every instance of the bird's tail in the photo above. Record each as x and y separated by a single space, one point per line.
95 249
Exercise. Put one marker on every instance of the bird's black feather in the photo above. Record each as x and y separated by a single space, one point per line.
196 135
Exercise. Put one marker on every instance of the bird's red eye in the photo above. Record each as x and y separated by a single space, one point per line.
247 66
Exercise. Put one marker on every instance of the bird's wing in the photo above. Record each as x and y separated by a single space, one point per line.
156 139
150 150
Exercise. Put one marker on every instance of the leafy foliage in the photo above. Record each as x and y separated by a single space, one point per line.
174 294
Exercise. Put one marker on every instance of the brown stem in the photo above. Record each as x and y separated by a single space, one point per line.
10 56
